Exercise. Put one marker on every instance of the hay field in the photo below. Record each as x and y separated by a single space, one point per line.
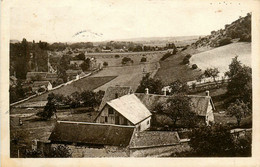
221 57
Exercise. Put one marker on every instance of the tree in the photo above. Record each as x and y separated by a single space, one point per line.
154 85
85 65
143 59
105 64
80 56
238 109
179 108
212 72
240 85
212 141
179 87
49 109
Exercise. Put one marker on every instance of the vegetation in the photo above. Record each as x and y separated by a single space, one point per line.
217 141
178 87
49 109
194 66
211 72
165 56
186 59
154 85
105 64
85 65
224 41
125 60
143 59
240 85
60 151
117 56
238 109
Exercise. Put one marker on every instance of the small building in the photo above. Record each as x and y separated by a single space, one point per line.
125 110
46 85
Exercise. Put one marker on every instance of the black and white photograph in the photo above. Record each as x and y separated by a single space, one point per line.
111 79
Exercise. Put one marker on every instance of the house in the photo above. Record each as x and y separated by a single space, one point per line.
46 85
202 105
77 63
113 93
92 139
125 110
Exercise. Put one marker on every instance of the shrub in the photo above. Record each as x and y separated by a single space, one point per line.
143 59
225 41
194 66
105 64
117 56
165 56
186 59
126 60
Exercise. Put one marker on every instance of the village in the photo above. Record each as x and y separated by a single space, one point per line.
131 99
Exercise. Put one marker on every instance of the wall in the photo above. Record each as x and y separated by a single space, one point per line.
210 115
162 151
145 124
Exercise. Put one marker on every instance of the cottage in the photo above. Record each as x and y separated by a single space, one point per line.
46 85
125 110
202 105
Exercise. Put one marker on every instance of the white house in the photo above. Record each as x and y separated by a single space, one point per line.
125 110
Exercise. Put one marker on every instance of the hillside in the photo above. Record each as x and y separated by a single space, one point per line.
221 57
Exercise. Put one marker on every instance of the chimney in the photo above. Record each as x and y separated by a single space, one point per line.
207 93
164 91
146 91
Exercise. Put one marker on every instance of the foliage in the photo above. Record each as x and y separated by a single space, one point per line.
80 56
49 109
179 87
186 59
143 59
179 109
117 56
126 60
194 66
60 151
240 85
224 41
154 85
238 109
85 65
165 56
62 67
211 72
105 64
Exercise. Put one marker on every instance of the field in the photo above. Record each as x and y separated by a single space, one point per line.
221 57
88 83
131 74
171 69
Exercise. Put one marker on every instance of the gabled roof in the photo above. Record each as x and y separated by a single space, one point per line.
111 93
154 138
199 104
92 133
34 74
131 108
40 83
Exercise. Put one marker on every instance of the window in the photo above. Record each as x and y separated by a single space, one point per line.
110 110
139 128
148 122
116 95
105 119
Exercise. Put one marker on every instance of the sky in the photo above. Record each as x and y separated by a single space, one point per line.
89 20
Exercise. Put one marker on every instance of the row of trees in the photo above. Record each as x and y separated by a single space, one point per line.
87 98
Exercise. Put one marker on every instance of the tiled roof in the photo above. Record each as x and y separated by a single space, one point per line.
199 104
154 138
131 108
91 133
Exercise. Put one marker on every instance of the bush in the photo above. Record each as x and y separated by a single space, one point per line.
105 64
117 56
126 60
165 56
225 41
186 59
194 66
143 59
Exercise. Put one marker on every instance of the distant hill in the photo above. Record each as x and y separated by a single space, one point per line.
239 30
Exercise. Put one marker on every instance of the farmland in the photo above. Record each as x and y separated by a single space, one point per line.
221 57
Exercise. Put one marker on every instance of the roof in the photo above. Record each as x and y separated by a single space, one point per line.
131 108
154 138
40 83
51 75
91 133
111 93
34 74
199 104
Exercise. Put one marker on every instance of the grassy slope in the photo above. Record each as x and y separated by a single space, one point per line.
172 69
221 57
